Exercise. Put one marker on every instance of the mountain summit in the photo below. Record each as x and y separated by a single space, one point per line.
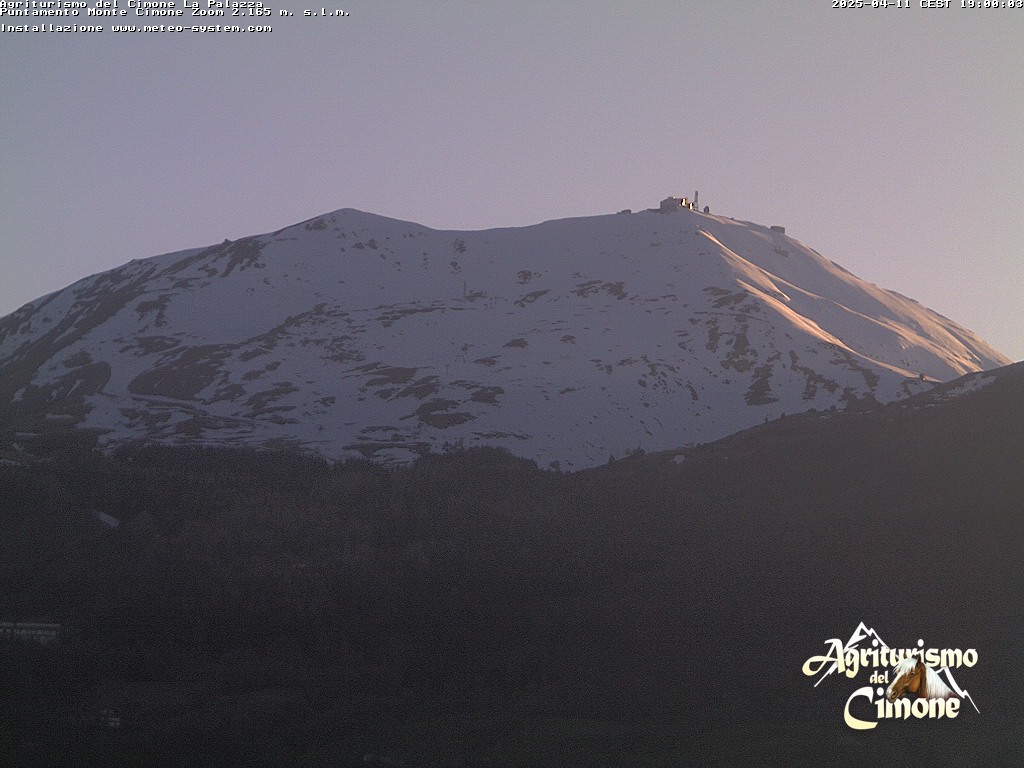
566 342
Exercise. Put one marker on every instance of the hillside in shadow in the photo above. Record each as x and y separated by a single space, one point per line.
474 609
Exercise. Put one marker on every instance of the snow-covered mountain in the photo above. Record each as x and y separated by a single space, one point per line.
565 342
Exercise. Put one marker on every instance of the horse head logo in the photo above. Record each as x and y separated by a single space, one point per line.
914 676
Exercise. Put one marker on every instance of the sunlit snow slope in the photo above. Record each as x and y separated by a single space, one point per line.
568 341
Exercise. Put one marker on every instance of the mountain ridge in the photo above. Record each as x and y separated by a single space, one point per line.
566 341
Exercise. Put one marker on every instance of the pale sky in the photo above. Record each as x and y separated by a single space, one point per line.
890 140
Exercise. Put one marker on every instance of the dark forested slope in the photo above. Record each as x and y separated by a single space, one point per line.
472 607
